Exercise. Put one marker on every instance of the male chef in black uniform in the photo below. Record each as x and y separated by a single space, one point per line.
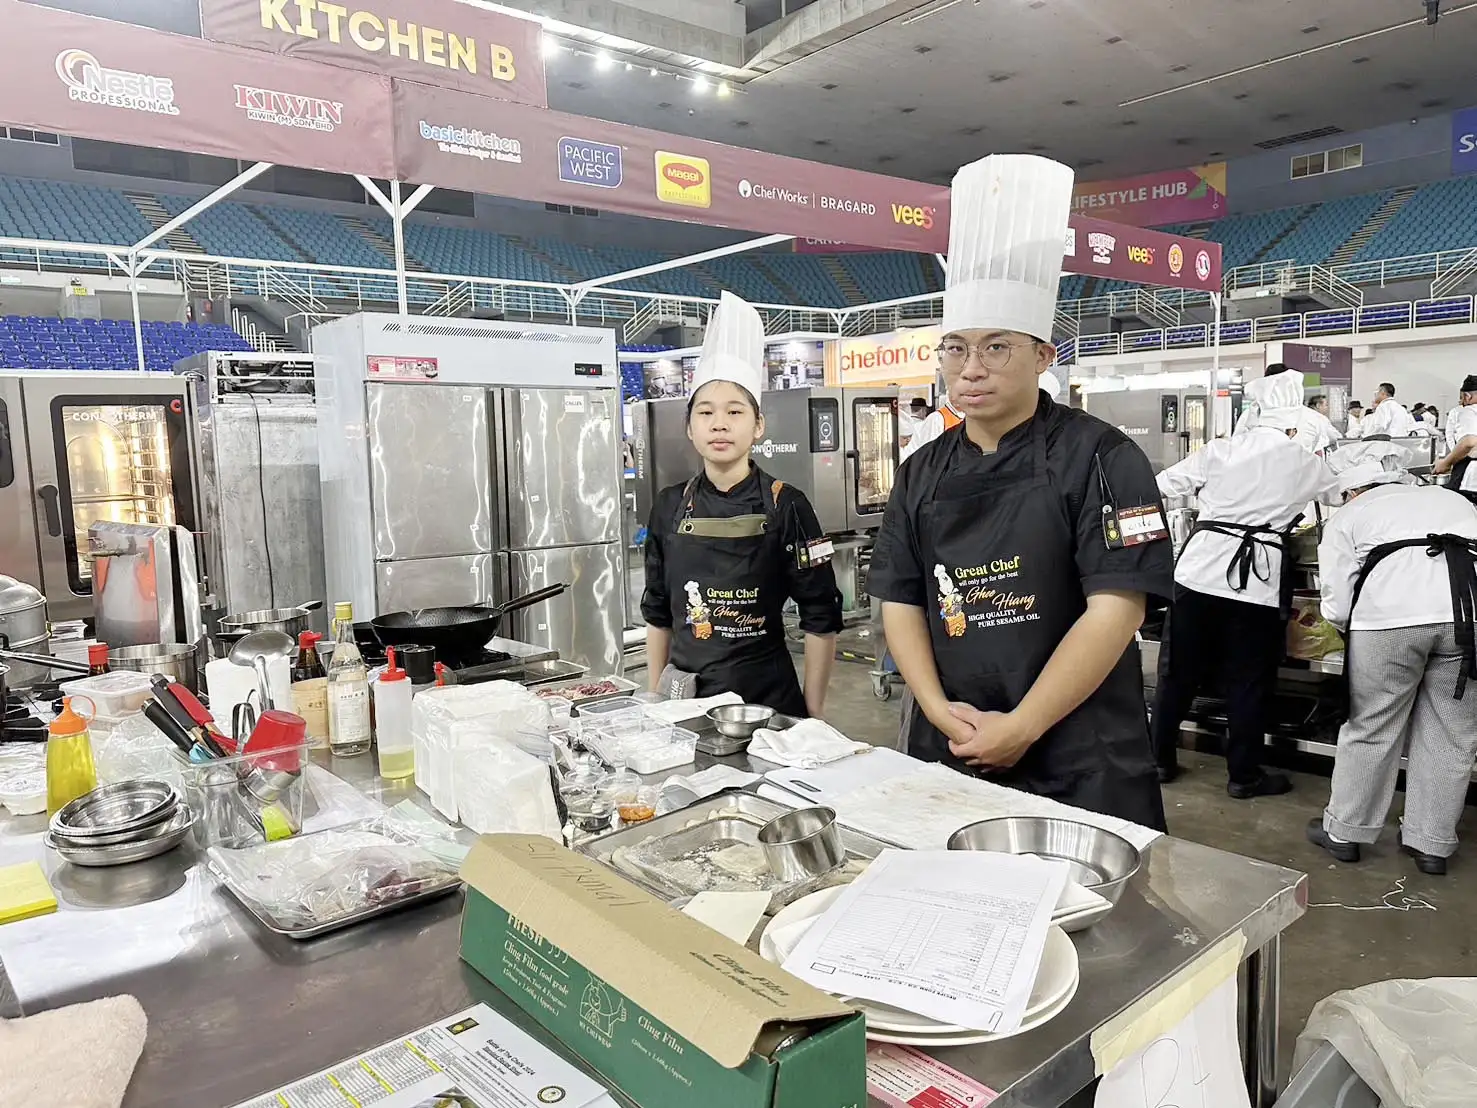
1020 549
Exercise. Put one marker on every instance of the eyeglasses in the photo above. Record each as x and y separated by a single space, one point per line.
993 354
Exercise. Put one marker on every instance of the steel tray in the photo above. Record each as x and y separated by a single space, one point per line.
300 934
710 742
624 687
719 816
548 670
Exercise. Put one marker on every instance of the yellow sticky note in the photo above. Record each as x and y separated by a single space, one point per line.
24 892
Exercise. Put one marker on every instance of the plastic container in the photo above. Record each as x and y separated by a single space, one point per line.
115 694
70 769
247 799
23 792
654 751
392 696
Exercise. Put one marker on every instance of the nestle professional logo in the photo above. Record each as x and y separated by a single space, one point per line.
1144 255
912 216
1176 259
89 82
288 109
583 162
769 448
1202 264
469 142
683 179
1101 245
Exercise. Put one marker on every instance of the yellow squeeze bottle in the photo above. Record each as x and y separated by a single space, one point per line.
70 771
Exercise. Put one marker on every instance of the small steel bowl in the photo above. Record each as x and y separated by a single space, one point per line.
739 721
1099 859
802 844
113 809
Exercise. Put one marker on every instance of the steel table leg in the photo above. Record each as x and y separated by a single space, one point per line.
1263 1002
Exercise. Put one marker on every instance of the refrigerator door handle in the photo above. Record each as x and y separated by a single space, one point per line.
50 498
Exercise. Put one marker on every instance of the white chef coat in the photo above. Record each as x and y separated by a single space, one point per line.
1316 433
1351 428
1407 589
1390 418
1451 427
1260 478
928 429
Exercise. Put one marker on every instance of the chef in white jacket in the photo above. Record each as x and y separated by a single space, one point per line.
1397 571
1461 442
1316 432
1231 599
1389 417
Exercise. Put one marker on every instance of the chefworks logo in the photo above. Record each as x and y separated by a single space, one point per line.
89 82
750 191
911 216
1101 245
288 109
682 179
469 142
769 448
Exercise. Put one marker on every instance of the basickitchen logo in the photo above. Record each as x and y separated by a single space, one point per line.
910 215
1101 245
288 109
1144 255
1202 265
1176 259
88 81
469 142
769 448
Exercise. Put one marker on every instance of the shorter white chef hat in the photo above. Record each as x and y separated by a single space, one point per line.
733 347
1007 234
1050 385
1361 464
1279 400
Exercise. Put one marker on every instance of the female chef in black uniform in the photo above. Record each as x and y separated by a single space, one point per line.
726 549
1018 550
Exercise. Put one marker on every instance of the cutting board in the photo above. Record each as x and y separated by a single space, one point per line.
824 784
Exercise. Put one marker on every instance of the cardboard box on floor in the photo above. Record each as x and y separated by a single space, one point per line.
666 1009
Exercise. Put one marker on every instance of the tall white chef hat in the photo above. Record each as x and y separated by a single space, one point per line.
1361 464
1279 400
1007 233
733 347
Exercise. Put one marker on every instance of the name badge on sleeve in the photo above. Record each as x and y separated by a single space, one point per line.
816 552
1132 526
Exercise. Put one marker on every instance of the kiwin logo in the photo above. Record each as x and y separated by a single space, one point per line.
911 216
1144 255
682 179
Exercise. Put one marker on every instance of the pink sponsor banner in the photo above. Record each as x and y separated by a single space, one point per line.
828 246
438 42
96 78
1097 248
1188 195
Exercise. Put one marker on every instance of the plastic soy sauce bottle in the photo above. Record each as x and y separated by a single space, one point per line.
70 770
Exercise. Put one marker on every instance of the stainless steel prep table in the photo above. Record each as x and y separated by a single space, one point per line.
234 1011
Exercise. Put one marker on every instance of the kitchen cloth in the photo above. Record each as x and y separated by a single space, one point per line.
810 743
81 1056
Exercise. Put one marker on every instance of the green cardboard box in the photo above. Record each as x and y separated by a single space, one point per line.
667 1010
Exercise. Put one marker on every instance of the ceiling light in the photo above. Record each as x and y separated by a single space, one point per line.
724 90
699 84
629 67
602 60
549 47
653 71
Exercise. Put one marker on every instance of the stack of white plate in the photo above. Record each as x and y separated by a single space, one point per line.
1056 983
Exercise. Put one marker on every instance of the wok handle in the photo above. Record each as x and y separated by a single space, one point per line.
44 660
310 606
548 593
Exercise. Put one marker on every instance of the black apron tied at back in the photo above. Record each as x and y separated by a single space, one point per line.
1253 538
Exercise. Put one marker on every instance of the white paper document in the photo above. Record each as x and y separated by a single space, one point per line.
1197 1064
952 935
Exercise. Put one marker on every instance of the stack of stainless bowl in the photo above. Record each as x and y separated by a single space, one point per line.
125 822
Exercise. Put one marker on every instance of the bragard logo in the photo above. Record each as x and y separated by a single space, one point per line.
89 82
769 448
288 109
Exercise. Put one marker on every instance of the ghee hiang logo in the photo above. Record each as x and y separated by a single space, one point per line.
1202 264
289 109
1176 259
1102 245
470 142
88 81
683 179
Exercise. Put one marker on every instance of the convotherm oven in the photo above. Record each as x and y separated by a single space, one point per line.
78 448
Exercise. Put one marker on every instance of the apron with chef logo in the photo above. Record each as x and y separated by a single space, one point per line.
726 578
1255 541
1006 591
1461 572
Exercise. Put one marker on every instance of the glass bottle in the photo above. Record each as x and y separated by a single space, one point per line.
310 688
348 689
97 659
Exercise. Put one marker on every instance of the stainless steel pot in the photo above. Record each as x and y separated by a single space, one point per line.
290 621
175 660
23 625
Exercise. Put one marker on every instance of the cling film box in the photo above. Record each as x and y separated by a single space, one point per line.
668 1011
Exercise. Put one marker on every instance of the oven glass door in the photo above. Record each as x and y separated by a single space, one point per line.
874 424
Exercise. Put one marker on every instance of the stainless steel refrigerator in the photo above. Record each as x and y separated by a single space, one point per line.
467 462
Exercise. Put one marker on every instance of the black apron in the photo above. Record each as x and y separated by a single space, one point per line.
1461 573
1007 592
726 578
1458 475
1243 563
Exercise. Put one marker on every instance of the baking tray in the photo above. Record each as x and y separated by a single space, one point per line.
301 934
548 670
710 742
727 817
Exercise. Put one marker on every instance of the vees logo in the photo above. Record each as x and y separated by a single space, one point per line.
911 216
1144 255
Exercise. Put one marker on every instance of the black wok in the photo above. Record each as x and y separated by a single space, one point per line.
457 631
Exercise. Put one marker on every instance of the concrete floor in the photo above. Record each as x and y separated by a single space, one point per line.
1330 948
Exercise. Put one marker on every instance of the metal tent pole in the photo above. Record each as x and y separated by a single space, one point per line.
397 210
677 263
1215 357
246 176
138 324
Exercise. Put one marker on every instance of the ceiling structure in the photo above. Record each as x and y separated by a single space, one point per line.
1111 87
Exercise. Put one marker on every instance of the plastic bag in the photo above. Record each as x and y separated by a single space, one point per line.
1412 1042
1310 636
133 749
500 789
445 720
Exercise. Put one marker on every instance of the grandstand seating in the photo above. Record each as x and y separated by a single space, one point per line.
33 342
1440 216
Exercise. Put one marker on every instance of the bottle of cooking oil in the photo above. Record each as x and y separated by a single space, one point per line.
348 688
392 739
70 771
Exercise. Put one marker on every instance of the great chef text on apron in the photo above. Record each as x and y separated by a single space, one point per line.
983 596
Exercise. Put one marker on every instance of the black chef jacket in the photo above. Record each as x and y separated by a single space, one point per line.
813 590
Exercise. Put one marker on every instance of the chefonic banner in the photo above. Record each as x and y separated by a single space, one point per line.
452 138
1173 196
904 357
1464 141
440 42
1101 249
96 78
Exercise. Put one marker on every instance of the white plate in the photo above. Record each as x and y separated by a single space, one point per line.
1056 977
972 1038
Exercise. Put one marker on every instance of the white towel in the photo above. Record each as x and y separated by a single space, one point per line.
81 1056
810 743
